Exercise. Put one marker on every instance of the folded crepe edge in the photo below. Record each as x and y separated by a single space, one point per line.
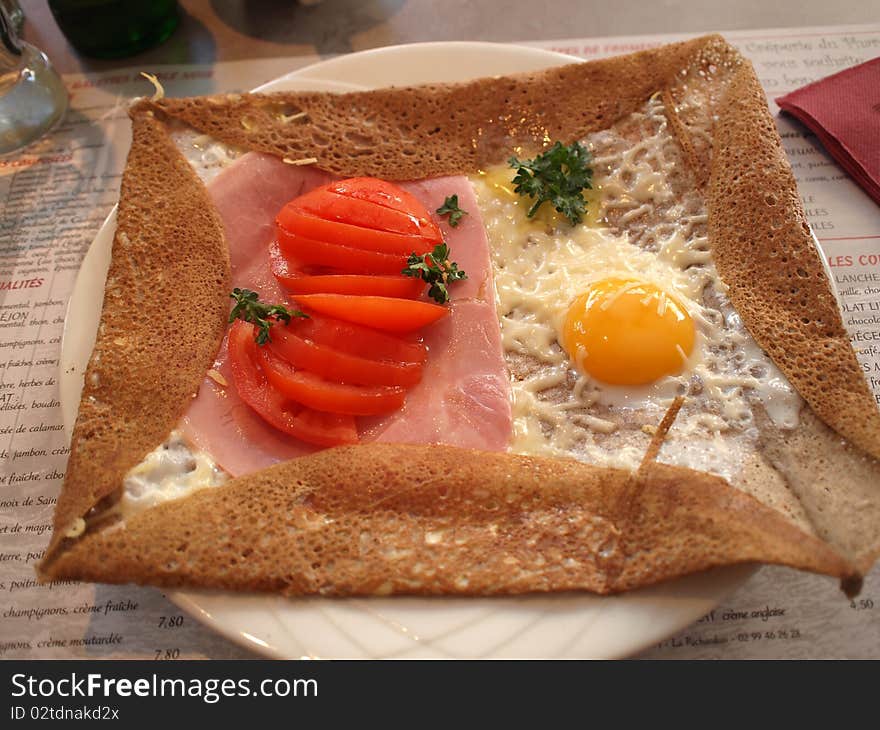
98 463
382 519
162 321
431 130
764 251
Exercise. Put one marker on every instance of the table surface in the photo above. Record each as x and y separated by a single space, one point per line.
230 30
234 30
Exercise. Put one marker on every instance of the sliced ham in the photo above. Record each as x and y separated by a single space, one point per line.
464 396
468 245
248 195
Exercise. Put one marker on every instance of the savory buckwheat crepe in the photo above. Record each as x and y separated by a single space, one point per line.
773 458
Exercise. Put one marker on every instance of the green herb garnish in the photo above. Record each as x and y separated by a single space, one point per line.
556 176
436 270
249 308
450 207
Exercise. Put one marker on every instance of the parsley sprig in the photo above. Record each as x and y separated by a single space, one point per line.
436 270
450 208
557 176
249 308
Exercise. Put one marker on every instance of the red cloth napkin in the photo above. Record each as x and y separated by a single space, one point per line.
844 112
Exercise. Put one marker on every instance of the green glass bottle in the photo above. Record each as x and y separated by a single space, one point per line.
115 28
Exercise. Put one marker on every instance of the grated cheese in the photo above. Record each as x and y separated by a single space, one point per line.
542 265
303 161
159 93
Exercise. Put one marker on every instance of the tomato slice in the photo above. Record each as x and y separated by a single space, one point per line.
300 279
342 258
294 220
325 203
384 193
340 251
383 313
377 285
325 395
284 267
313 427
354 339
326 429
339 366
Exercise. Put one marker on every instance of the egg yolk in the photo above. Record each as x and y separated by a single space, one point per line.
626 332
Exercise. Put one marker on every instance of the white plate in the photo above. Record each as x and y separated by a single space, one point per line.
555 625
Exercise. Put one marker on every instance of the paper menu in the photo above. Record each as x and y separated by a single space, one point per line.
55 199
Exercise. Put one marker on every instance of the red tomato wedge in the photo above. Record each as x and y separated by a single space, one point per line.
325 395
376 285
299 279
329 205
313 427
295 221
330 364
383 193
353 339
382 313
311 252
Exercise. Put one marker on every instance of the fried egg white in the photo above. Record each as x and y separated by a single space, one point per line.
604 324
